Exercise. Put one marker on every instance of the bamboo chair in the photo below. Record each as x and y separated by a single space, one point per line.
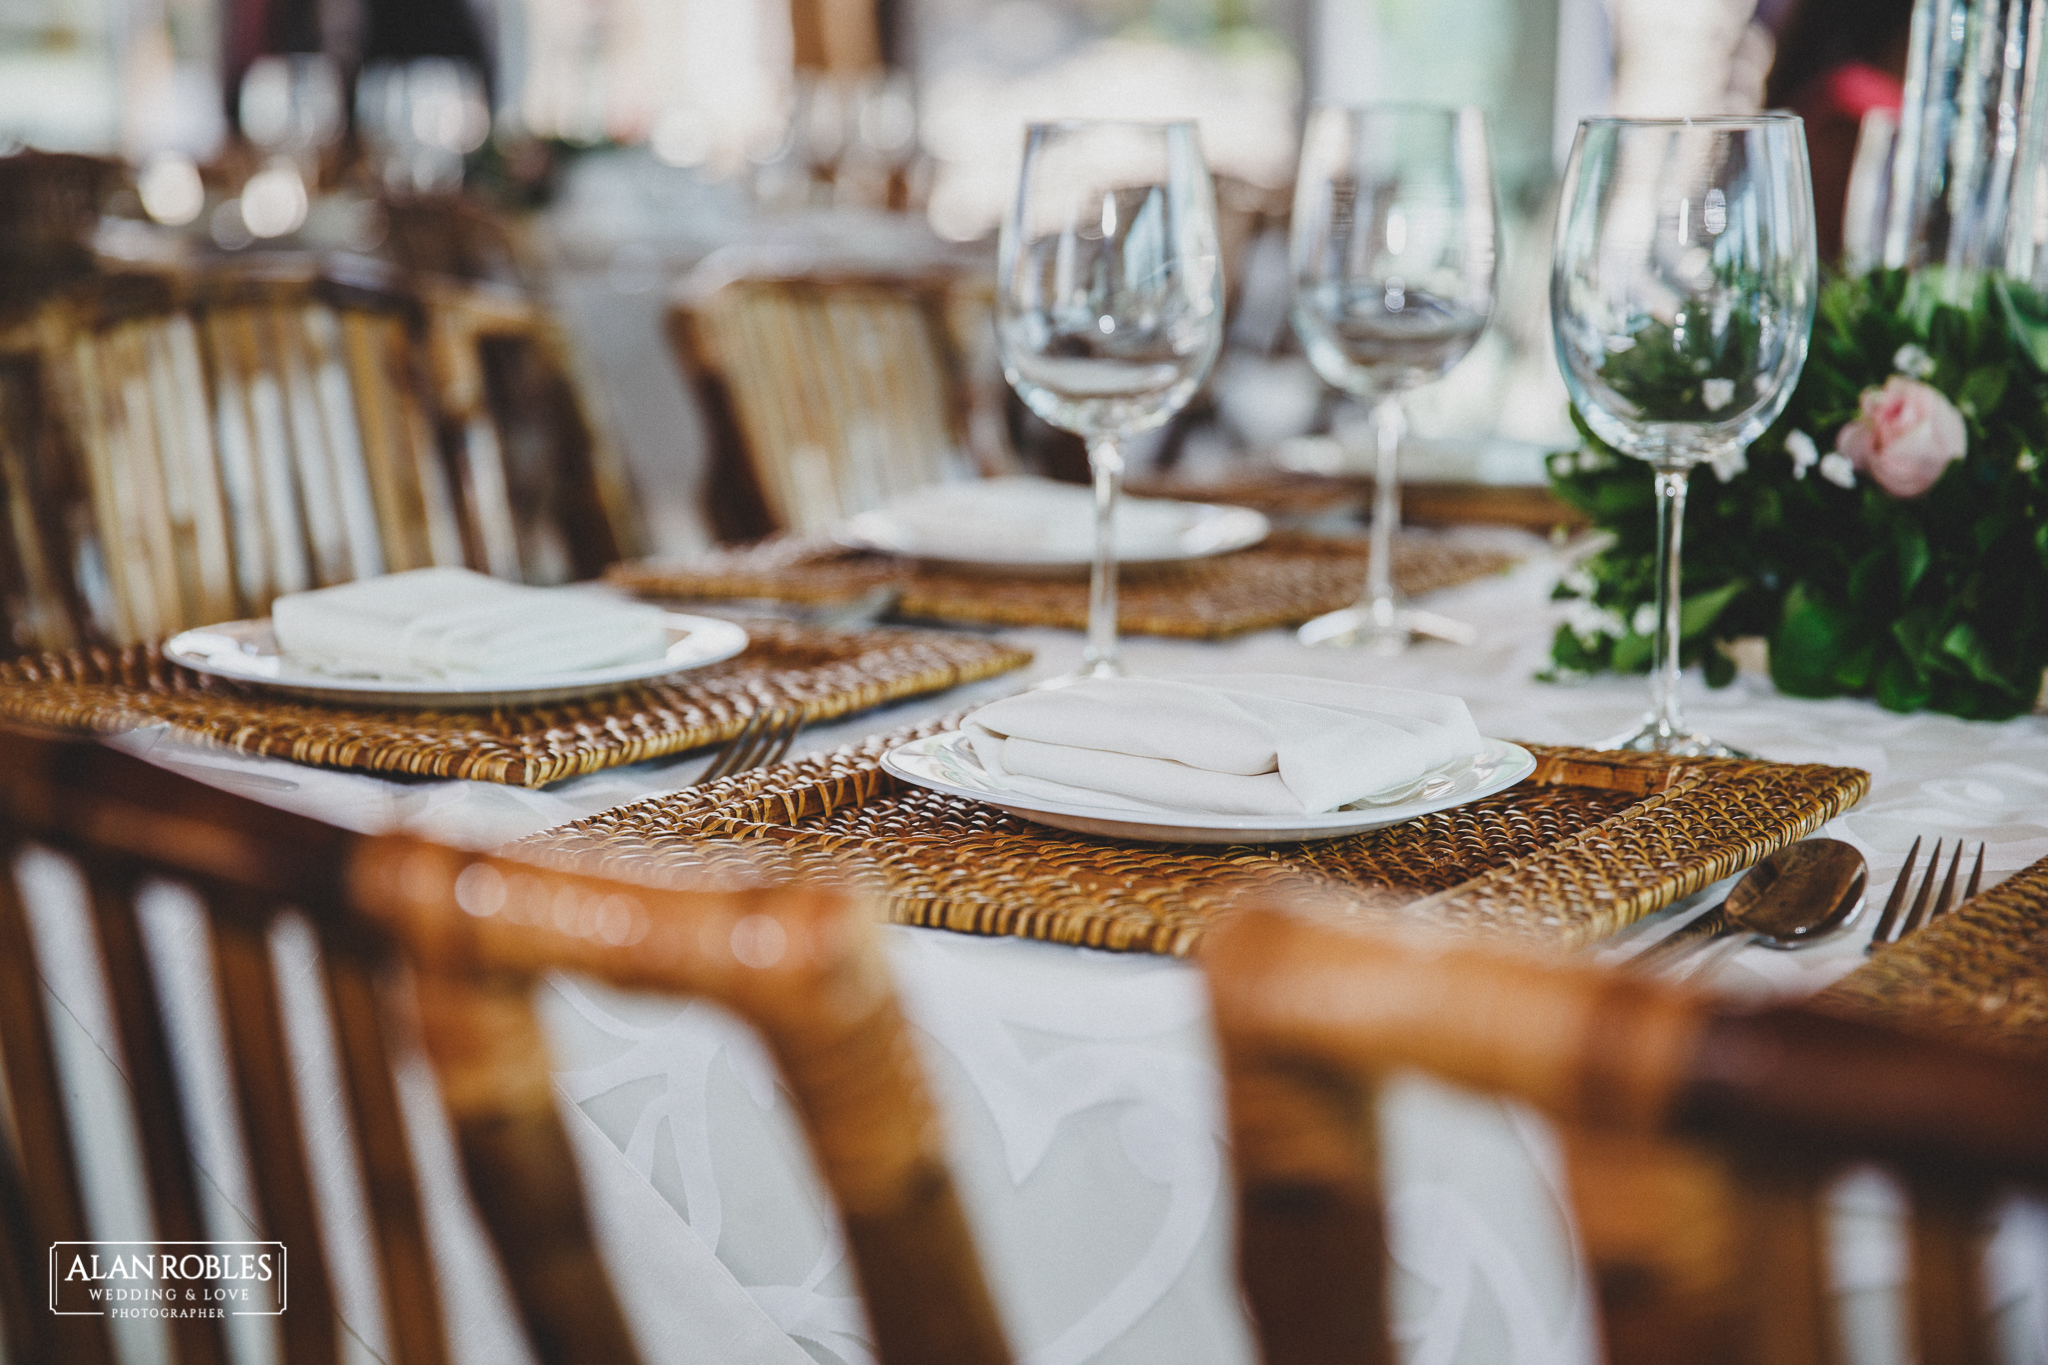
179 452
1773 1103
828 391
472 934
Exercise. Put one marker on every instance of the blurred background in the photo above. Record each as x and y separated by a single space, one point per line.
596 153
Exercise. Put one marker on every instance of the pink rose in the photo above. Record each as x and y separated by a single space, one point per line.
1906 436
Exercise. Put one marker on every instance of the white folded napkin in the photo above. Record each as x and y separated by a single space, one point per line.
1254 744
454 624
1019 517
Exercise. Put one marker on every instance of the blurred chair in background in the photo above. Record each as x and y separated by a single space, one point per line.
829 390
180 448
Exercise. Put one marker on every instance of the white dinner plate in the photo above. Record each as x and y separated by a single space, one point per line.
946 763
1037 525
246 651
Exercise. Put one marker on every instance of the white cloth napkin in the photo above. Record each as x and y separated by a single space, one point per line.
1256 744
455 624
1020 518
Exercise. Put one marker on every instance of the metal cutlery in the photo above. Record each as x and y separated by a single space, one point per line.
1798 895
1927 906
763 740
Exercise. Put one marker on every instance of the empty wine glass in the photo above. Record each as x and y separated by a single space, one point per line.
1393 252
419 118
1110 304
1681 296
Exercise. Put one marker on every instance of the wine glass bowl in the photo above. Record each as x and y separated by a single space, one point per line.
1393 253
1109 303
1682 296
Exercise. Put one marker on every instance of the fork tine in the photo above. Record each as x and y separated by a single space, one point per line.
1918 915
756 752
770 741
1946 901
792 721
1976 874
722 763
1890 918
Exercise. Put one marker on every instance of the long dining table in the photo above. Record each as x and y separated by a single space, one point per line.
1080 1087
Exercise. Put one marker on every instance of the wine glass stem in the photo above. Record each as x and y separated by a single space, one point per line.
1106 463
1388 422
1666 710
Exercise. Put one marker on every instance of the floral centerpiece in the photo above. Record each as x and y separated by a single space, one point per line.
1888 535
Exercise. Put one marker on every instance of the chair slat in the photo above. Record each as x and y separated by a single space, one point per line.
271 1130
802 965
153 1082
35 1094
484 1039
1791 1304
23 1323
404 1261
1949 1306
1311 1226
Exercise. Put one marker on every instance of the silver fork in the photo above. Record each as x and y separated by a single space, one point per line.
763 740
1891 927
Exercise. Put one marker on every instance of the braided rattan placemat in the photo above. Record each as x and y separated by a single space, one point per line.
1589 844
827 673
1284 581
1980 971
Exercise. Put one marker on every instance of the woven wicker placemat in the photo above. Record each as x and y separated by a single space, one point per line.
1589 844
1979 972
826 673
1284 581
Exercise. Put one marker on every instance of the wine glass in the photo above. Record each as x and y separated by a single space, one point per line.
1681 296
1110 305
1393 254
419 117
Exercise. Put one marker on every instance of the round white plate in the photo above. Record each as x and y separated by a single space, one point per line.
1017 524
247 652
946 763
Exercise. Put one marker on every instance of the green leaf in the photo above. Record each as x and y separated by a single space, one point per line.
1965 645
1982 389
1632 653
1914 556
1853 667
1869 583
1811 636
1699 612
1901 686
2026 319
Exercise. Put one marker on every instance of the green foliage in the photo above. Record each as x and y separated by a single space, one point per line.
1938 602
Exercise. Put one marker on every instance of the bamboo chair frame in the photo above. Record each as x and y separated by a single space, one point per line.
206 443
470 935
827 390
1310 1015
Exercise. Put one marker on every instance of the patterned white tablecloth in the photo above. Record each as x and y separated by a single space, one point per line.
1080 1087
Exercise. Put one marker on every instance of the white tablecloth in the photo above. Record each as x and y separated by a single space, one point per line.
1080 1087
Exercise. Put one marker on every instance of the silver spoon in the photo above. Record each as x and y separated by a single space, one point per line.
1802 893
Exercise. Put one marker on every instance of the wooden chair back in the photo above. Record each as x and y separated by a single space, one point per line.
179 452
1767 1107
826 392
469 937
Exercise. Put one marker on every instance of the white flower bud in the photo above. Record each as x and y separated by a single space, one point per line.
1913 360
1805 455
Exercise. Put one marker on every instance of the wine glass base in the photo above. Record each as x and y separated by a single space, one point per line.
1089 669
1383 632
1654 737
